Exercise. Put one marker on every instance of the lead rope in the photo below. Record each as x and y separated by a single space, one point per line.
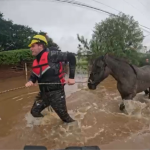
21 87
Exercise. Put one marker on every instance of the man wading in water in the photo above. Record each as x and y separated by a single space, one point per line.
47 68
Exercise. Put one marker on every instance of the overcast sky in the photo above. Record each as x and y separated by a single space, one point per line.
63 22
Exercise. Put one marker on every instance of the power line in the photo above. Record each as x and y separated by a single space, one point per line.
144 26
106 5
145 30
146 35
134 7
85 5
141 3
79 5
116 10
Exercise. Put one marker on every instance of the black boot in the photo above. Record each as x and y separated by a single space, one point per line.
36 114
37 108
68 120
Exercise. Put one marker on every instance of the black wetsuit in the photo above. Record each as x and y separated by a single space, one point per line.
53 94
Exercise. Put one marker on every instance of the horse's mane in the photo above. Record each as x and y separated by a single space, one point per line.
122 60
119 59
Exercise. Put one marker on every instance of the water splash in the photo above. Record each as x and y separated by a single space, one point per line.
138 107
134 108
62 132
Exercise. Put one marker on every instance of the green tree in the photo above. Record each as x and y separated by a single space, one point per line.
14 36
119 35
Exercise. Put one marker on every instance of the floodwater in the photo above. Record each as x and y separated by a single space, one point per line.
98 118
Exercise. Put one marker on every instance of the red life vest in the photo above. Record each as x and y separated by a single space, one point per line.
40 68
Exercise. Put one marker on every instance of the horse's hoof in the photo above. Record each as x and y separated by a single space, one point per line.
122 107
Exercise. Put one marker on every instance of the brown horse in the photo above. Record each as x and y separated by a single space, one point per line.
130 79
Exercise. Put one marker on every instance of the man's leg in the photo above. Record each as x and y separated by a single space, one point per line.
58 102
39 96
38 106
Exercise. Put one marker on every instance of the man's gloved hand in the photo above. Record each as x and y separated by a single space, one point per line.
71 81
29 83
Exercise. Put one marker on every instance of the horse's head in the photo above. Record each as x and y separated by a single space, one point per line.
98 73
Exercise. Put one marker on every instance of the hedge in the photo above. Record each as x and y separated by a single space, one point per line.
13 57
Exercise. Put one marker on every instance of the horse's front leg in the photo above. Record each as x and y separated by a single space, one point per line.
132 107
127 106
146 92
122 105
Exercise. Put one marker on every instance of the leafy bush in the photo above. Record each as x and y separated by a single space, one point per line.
14 57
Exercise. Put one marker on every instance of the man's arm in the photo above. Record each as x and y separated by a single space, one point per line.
72 65
31 80
55 56
33 77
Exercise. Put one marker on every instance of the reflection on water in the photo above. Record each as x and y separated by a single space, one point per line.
98 119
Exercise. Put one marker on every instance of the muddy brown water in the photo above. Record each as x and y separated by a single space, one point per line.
98 119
